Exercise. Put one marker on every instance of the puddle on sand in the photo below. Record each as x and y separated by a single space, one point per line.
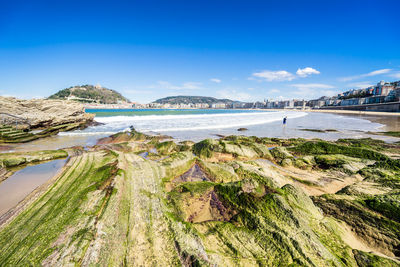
21 183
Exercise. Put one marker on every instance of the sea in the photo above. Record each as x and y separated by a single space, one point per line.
198 124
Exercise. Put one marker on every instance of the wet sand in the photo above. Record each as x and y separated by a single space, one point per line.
390 122
52 143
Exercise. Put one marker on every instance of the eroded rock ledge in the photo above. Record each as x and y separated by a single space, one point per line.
18 117
43 113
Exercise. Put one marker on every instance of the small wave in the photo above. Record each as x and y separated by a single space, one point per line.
171 123
179 117
85 133
210 127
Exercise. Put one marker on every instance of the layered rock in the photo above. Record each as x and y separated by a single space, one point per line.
41 113
137 201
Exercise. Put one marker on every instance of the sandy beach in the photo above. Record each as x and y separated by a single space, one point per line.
391 120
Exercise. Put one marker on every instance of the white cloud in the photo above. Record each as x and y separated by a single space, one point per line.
395 75
233 95
308 90
280 75
312 86
215 80
377 72
360 85
273 91
369 74
184 86
306 72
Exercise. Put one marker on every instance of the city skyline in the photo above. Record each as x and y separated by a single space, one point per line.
246 51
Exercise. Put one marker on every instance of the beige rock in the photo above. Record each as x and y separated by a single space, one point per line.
41 113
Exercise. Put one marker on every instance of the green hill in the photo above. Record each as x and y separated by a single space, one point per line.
90 94
173 100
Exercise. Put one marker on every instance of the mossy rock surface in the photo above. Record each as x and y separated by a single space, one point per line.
387 204
15 159
166 147
136 201
365 259
206 148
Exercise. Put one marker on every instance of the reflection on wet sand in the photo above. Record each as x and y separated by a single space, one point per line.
53 143
391 123
21 183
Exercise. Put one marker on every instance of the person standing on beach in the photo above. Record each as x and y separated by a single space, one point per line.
284 120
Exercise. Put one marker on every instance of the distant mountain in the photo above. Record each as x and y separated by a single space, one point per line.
90 94
173 100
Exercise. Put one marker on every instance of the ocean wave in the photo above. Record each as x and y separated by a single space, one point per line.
225 126
178 123
81 133
178 117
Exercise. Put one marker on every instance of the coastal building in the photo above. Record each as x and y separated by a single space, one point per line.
393 96
352 101
383 88
201 105
218 105
382 92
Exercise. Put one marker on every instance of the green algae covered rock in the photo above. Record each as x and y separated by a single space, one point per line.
305 162
387 204
213 203
166 147
236 146
206 148
365 259
221 173
286 162
282 156
185 146
328 148
329 161
18 158
369 225
13 161
323 147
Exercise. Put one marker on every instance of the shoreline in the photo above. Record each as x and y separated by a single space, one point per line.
388 121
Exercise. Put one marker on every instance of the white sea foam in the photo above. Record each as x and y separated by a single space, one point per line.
232 124
170 123
200 126
78 133
111 119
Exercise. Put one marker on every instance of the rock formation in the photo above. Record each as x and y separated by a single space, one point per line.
137 200
41 113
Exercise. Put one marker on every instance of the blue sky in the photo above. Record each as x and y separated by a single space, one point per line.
243 50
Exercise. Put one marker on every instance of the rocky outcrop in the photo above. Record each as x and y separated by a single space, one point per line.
41 113
18 117
184 205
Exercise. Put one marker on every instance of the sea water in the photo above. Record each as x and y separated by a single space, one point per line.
22 182
198 124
